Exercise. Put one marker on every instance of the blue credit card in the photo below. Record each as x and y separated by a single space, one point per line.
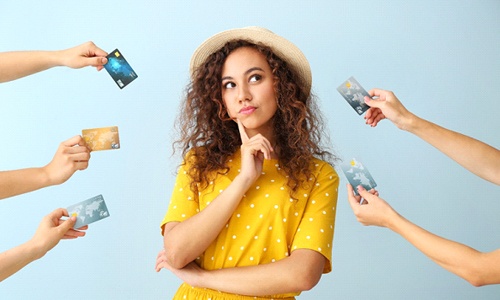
119 69
88 211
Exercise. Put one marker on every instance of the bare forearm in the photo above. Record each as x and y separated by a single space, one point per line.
188 239
476 267
22 181
299 272
14 65
476 156
17 258
252 281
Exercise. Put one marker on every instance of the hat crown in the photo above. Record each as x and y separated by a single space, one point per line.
282 47
258 28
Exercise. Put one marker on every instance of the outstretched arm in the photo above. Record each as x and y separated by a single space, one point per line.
72 155
17 64
50 231
298 272
476 156
476 267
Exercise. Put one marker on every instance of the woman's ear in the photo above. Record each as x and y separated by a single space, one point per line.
224 113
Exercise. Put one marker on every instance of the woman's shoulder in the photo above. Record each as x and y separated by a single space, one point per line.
322 166
189 159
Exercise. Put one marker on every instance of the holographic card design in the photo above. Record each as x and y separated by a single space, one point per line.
119 69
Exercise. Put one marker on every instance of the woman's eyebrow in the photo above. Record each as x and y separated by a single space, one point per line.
246 73
253 69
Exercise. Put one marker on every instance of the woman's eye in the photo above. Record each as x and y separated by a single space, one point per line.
255 78
229 85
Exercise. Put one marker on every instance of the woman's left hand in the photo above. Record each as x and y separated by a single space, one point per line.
190 274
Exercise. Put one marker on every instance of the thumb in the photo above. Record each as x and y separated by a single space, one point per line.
350 196
102 61
97 61
379 95
76 140
364 193
372 103
67 225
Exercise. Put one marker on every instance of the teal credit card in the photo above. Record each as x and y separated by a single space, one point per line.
88 211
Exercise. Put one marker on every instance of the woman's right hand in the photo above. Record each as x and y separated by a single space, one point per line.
253 152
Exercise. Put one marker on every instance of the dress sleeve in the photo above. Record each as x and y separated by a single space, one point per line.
183 203
316 228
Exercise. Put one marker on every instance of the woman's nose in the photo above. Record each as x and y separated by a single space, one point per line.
244 93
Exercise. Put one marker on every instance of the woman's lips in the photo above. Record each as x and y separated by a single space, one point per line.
247 110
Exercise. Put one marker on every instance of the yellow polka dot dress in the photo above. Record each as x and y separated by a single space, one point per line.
266 226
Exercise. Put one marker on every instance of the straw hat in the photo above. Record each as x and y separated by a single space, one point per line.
283 48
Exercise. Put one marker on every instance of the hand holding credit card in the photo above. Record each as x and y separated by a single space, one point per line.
119 69
88 211
105 138
354 94
357 174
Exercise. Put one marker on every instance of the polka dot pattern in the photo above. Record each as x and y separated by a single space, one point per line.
268 225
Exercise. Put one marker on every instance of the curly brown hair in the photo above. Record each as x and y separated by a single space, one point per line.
209 136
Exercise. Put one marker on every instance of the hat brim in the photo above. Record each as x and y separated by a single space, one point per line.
283 48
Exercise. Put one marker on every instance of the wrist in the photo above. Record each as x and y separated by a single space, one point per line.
393 221
34 250
44 177
417 125
244 182
53 58
409 122
203 279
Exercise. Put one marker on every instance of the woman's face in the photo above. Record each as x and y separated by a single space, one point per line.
248 90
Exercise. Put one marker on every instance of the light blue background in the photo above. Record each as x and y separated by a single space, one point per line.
441 58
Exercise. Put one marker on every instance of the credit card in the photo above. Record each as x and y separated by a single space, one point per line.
88 211
357 174
105 138
119 69
354 94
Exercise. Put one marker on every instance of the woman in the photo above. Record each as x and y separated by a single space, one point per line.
253 208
